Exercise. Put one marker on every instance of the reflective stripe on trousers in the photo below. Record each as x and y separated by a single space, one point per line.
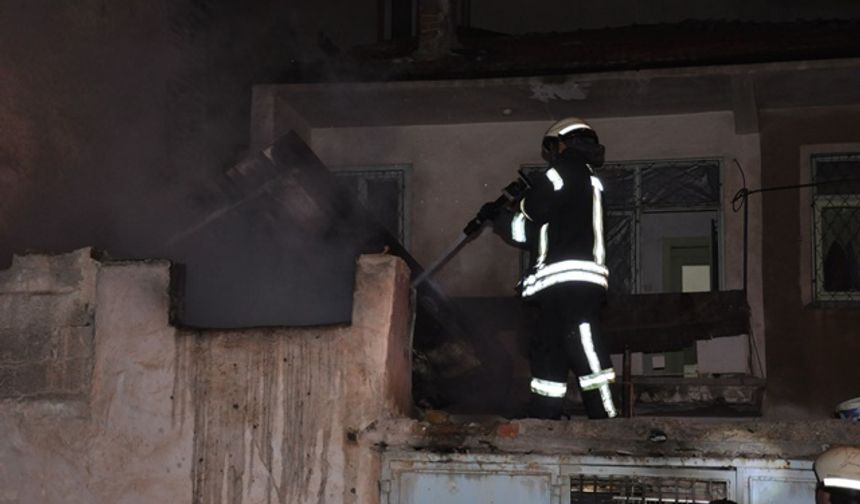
600 378
548 388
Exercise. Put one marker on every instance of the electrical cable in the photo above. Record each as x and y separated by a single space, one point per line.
738 202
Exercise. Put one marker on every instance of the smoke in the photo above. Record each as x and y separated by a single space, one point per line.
118 124
124 127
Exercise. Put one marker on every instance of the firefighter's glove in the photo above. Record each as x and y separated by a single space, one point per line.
488 212
515 190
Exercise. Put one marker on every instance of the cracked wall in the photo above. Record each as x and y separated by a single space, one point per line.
157 413
46 327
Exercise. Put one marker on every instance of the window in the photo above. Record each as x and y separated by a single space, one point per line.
383 191
662 236
836 227
608 489
662 225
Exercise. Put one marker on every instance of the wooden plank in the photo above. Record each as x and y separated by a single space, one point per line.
638 322
672 321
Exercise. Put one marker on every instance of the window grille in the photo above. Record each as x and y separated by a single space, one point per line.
591 489
383 192
836 222
633 189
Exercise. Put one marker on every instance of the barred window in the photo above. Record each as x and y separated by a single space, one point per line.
593 489
662 225
836 226
383 191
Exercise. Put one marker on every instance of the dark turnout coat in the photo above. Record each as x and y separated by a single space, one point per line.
560 221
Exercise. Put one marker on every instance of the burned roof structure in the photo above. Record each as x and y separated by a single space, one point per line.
484 54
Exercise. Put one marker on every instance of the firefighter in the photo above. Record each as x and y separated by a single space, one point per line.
559 220
838 474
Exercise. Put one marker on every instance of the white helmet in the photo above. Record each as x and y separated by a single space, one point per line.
838 471
566 128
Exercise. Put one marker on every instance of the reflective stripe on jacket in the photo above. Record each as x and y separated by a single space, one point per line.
560 221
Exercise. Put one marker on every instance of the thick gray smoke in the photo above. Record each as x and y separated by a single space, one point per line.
118 123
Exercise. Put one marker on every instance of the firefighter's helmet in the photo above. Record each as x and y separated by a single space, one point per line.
838 472
568 128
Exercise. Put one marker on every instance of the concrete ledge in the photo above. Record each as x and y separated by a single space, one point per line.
684 437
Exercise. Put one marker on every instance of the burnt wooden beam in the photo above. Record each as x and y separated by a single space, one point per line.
672 321
637 322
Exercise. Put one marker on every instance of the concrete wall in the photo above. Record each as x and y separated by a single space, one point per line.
119 439
811 349
173 415
47 327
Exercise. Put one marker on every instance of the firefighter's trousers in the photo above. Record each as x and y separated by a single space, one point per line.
565 336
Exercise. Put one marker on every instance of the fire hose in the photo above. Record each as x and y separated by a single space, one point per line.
511 195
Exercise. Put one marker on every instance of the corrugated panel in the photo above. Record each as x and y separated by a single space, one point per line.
767 490
587 489
469 488
422 478
785 486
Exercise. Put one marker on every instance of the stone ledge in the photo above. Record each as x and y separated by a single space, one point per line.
684 437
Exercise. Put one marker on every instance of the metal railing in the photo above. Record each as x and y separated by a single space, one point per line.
590 489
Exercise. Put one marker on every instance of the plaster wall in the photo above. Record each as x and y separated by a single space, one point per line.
177 415
118 440
811 347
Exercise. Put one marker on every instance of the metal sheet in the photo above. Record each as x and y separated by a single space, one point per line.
469 488
427 478
787 487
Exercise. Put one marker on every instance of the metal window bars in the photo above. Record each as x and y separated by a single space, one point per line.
637 188
592 489
836 225
835 209
382 191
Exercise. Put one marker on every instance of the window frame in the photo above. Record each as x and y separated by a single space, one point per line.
405 202
819 203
